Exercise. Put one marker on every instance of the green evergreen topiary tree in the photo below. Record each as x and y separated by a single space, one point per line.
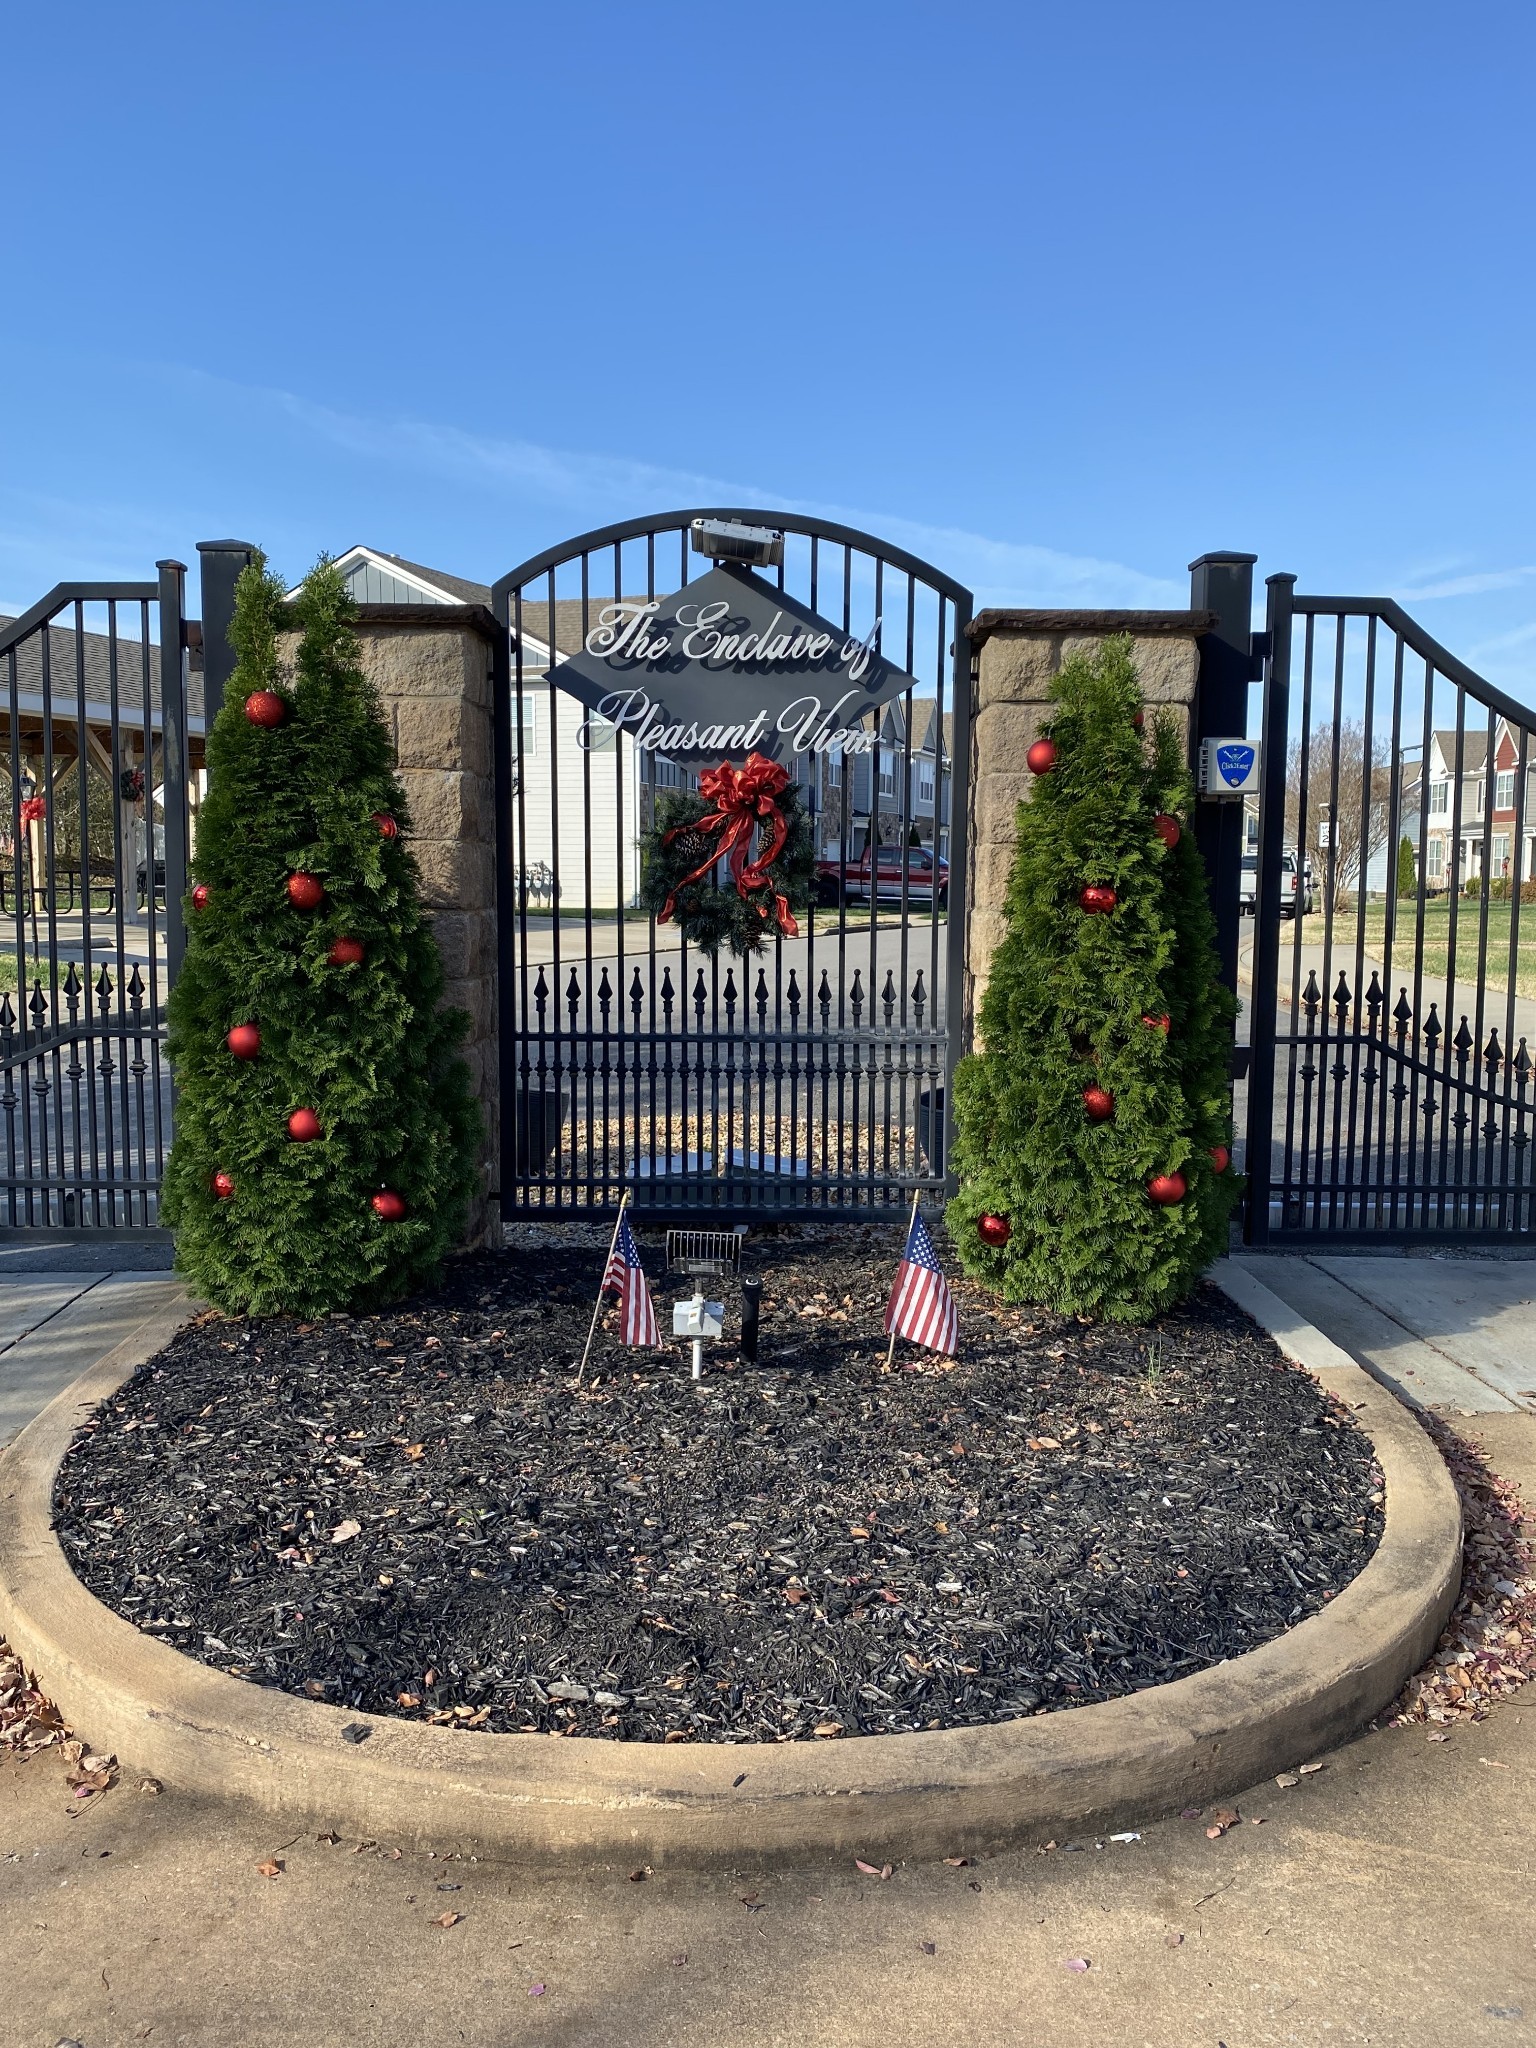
1093 1128
1407 872
325 1129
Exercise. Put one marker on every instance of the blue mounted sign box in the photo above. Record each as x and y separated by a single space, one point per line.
1229 768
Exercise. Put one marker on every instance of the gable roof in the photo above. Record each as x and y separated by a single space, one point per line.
1474 750
436 585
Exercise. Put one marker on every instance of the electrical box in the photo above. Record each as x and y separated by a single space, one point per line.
1229 768
698 1318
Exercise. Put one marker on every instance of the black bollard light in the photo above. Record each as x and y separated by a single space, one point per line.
751 1302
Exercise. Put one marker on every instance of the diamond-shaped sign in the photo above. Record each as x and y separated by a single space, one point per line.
727 667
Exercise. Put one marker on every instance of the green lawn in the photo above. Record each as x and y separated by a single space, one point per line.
1437 930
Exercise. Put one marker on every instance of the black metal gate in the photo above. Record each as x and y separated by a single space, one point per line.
1394 960
811 1076
96 772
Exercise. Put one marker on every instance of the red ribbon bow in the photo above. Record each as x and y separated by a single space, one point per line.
743 797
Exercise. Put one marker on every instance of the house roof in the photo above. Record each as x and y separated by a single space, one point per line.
95 652
437 585
571 618
1474 749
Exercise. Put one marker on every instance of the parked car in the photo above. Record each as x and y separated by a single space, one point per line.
839 882
1290 874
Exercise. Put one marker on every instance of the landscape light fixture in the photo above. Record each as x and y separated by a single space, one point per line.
729 540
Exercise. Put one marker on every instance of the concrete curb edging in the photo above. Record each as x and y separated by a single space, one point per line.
583 1801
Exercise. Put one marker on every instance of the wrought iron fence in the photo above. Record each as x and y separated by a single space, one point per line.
1394 965
97 755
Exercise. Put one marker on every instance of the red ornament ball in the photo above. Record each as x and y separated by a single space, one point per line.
1099 1103
222 1184
200 896
1167 829
244 1041
303 1126
994 1230
1221 1158
388 826
389 1205
306 892
1097 898
265 707
1167 1189
1162 1023
1041 757
345 953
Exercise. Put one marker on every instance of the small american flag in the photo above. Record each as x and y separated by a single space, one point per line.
921 1307
637 1316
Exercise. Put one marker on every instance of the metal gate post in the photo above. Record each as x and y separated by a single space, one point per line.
1223 584
219 566
173 735
962 707
1266 912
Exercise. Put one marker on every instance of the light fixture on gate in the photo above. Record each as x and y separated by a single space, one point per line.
730 540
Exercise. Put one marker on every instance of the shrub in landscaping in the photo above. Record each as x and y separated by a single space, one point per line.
1407 873
325 1129
1091 1130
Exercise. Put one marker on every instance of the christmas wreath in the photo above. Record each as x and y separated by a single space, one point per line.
732 863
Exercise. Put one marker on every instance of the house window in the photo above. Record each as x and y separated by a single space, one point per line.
1500 853
834 762
1435 864
887 771
925 782
1504 790
1482 788
1439 799
527 706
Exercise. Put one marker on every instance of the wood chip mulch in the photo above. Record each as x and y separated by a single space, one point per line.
418 1513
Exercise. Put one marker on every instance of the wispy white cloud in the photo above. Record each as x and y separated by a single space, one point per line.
1501 643
1475 583
605 486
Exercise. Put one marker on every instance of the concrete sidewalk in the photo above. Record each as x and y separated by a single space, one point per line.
1455 1335
62 1308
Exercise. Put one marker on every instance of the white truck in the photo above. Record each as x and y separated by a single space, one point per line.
1295 884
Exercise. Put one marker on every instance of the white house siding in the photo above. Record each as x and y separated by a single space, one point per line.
573 800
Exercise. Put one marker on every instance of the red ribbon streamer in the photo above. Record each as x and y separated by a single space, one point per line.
743 797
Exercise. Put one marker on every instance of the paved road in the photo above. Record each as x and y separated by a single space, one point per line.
1513 1018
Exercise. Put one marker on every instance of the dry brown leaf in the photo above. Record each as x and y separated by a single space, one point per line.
447 1919
273 1867
345 1531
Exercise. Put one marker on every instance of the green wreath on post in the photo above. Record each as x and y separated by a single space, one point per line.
751 820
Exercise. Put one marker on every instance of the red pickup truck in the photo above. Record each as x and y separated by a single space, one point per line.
838 882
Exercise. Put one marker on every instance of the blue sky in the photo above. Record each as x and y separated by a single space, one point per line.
1058 297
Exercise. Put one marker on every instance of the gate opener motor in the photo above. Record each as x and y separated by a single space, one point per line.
1229 768
706 1254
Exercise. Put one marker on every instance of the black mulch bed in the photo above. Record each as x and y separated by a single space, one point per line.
417 1513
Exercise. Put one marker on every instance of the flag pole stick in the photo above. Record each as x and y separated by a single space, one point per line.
598 1308
890 1353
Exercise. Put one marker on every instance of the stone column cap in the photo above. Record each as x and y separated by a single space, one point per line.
1139 624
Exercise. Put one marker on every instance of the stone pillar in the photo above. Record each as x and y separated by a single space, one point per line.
1017 656
431 665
